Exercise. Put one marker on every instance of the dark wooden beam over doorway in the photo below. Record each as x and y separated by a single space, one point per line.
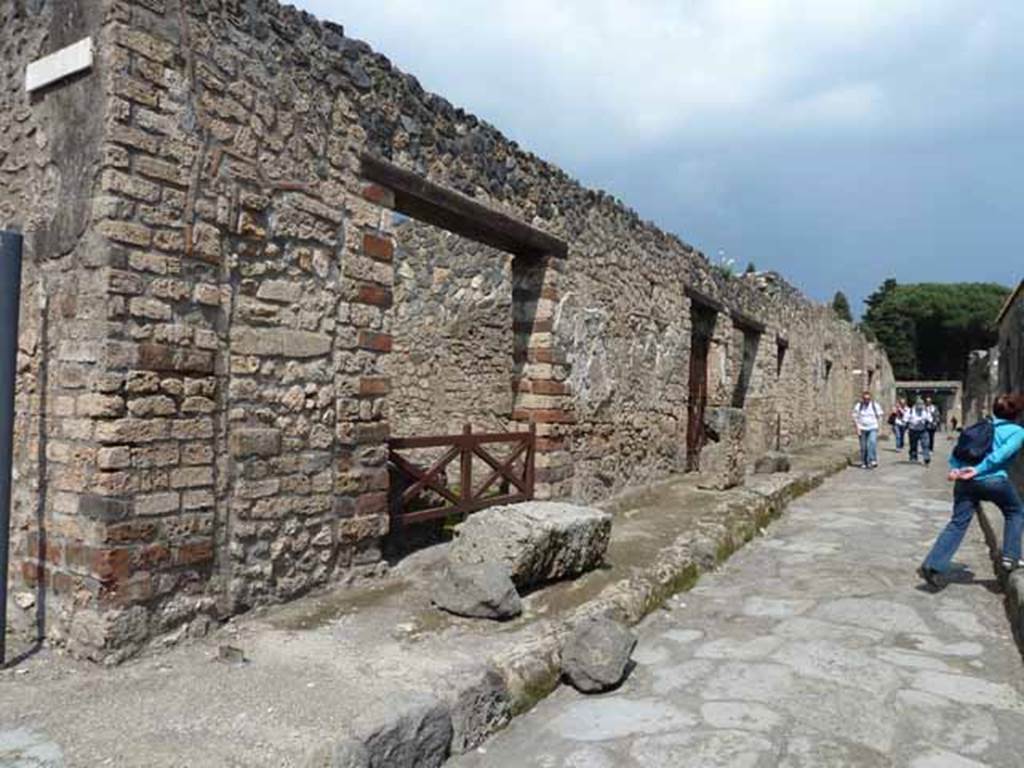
431 203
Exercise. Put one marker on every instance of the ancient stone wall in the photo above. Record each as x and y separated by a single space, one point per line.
51 153
452 355
1011 343
981 384
999 370
1011 357
224 346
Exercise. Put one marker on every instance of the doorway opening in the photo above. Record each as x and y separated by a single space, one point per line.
702 323
475 361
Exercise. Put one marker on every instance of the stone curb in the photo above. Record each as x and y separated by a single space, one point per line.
518 679
1013 585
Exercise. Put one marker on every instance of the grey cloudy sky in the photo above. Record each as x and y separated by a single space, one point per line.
837 141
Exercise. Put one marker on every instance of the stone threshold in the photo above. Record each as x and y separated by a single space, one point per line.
375 670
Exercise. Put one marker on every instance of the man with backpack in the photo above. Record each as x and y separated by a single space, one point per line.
978 466
918 421
867 416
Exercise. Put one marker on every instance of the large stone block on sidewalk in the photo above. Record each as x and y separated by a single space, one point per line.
597 655
480 590
722 460
771 462
346 754
417 734
537 541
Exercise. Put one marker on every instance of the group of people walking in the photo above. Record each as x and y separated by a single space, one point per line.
978 468
915 424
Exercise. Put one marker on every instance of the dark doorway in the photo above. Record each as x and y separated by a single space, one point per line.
703 324
751 341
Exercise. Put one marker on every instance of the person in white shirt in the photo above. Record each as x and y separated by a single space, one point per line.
918 423
867 416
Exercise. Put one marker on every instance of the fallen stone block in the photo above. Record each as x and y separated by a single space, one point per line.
771 462
416 734
538 541
231 654
482 591
345 754
722 460
597 655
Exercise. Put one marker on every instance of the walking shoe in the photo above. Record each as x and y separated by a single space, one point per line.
927 462
874 465
931 576
1008 566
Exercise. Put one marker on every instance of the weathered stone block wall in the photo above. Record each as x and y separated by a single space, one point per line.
999 370
51 161
1011 344
208 387
452 356
981 384
1011 358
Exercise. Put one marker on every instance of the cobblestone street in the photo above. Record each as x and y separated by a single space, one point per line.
813 646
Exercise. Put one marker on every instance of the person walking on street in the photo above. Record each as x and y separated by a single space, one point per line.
898 420
918 420
933 414
867 416
985 481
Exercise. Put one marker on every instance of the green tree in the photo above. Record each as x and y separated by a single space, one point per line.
927 329
841 306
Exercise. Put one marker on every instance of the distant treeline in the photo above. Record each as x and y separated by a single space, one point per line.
927 329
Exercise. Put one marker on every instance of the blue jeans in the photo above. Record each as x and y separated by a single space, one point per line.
919 438
899 430
868 446
967 495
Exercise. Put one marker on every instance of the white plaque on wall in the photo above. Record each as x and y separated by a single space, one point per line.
58 65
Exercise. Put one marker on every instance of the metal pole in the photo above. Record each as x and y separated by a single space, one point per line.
10 293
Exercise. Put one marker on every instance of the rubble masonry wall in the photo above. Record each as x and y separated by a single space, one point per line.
211 311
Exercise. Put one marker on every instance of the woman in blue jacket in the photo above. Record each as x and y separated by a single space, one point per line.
987 481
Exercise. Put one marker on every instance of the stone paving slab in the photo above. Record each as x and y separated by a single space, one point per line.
347 663
813 646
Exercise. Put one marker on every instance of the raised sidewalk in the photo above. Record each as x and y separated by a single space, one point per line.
377 663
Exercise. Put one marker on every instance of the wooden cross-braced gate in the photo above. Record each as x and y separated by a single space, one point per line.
510 480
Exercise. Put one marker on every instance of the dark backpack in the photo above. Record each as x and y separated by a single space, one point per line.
975 442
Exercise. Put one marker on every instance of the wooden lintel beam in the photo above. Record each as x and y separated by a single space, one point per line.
431 203
702 299
746 322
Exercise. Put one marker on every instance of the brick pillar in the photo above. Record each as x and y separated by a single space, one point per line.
364 338
542 392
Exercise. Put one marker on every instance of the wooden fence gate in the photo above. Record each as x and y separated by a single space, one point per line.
421 493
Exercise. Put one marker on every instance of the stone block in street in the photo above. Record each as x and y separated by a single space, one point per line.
345 754
597 655
483 591
722 461
416 734
537 541
771 462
